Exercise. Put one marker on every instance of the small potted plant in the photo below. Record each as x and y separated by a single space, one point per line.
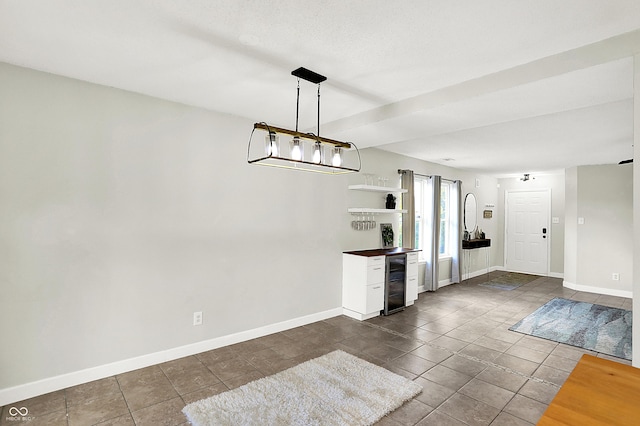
391 201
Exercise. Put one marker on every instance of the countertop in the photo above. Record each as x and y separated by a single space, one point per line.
382 252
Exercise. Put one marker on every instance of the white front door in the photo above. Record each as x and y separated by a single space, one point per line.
527 231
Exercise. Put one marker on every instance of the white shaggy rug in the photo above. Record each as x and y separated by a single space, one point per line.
334 389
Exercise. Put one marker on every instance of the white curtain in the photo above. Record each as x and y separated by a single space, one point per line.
409 218
432 233
455 241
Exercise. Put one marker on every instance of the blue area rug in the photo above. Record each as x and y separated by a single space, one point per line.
585 325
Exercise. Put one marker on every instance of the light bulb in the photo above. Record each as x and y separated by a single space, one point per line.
272 144
337 159
317 153
296 149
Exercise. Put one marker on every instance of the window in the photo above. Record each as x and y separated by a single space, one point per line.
422 196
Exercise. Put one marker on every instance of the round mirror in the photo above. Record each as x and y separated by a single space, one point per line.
470 213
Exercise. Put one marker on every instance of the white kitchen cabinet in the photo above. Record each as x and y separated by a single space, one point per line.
412 278
362 286
363 281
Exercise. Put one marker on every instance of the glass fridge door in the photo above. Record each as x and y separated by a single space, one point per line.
395 285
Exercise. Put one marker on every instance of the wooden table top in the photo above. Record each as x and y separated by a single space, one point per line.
597 392
382 252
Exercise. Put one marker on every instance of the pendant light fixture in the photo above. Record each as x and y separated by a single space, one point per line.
306 151
336 161
272 144
317 153
297 149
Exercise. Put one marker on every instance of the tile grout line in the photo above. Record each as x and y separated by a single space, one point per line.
469 357
66 407
124 398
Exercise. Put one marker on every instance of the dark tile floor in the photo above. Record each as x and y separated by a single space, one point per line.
455 343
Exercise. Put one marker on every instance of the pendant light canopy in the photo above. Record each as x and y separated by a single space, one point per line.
305 151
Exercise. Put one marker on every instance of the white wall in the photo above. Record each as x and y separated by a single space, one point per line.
386 164
556 184
603 197
571 226
122 215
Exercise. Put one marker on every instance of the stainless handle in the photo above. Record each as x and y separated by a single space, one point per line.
375 288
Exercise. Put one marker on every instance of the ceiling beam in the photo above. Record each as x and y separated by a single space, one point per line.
611 49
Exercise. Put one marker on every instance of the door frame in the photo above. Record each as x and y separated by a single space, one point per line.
506 225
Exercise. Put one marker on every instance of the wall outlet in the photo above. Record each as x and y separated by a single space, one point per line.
615 276
197 318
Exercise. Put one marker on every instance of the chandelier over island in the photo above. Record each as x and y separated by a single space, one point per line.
270 146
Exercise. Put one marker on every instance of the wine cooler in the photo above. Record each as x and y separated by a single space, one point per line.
395 284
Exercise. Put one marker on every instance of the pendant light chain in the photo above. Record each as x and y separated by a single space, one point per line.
318 109
297 104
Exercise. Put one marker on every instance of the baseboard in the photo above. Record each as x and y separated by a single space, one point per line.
444 283
551 274
598 290
40 387
479 272
357 315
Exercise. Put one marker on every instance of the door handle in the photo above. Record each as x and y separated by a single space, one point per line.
544 232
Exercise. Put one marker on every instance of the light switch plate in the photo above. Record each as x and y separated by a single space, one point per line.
581 221
555 220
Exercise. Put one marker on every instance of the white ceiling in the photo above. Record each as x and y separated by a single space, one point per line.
500 87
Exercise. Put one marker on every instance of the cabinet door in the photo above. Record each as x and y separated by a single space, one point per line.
412 290
375 274
412 265
412 278
363 284
375 298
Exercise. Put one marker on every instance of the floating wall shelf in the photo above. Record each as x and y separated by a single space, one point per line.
380 211
372 188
